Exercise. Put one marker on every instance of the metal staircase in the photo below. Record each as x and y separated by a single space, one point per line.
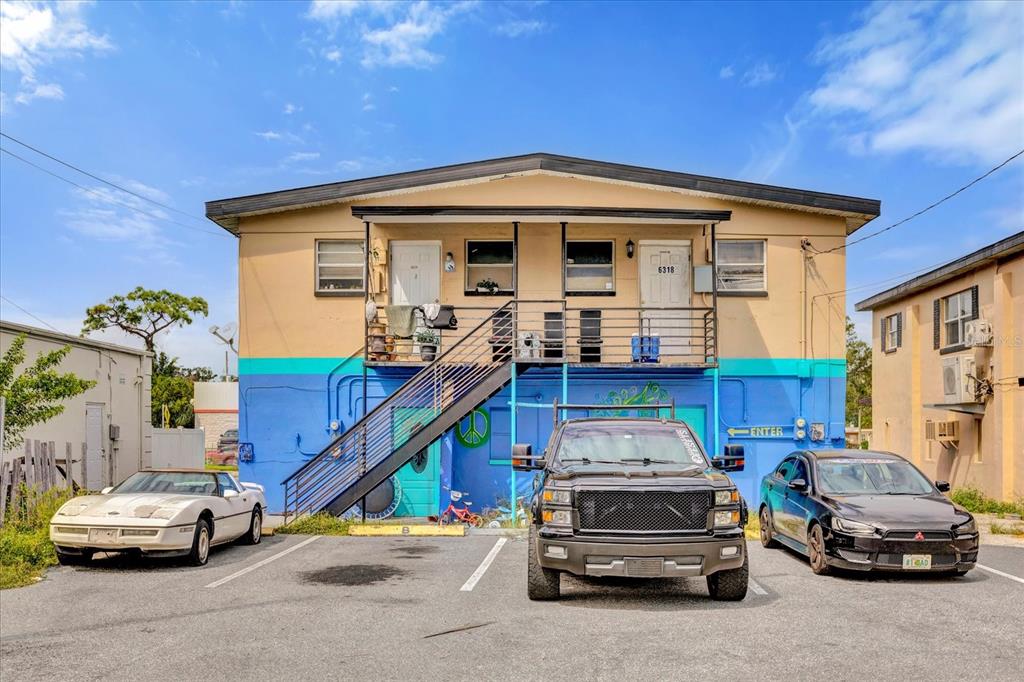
418 413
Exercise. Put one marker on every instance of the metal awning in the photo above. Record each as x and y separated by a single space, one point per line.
977 409
537 214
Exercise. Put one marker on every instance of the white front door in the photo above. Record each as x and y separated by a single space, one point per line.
665 284
92 467
415 273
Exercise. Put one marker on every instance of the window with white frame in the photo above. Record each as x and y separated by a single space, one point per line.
741 265
340 266
590 267
892 332
489 265
956 311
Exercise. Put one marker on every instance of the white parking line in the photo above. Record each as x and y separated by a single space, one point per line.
1005 575
482 568
238 574
757 589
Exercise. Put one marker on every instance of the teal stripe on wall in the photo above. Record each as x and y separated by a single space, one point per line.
298 365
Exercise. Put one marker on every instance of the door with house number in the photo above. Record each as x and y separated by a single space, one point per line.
665 284
415 272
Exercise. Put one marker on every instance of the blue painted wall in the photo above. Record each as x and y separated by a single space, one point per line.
284 412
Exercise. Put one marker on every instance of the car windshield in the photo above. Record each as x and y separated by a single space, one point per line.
172 482
630 444
842 476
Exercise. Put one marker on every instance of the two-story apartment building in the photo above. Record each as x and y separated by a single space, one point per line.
569 279
948 367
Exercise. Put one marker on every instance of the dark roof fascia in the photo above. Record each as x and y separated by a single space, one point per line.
370 212
226 211
993 252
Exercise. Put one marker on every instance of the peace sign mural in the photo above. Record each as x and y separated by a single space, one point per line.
474 430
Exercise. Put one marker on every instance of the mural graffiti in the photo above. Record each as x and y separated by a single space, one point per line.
474 430
632 396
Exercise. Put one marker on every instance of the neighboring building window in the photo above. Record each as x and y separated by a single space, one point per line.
956 310
340 266
892 332
741 265
489 261
590 267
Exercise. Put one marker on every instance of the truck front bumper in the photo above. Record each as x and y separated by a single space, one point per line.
669 559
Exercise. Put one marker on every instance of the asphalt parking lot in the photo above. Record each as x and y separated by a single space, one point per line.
401 608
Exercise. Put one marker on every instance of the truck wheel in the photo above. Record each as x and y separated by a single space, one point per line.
767 540
541 583
730 585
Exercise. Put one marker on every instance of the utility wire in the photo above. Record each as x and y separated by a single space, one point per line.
34 317
96 177
926 208
108 198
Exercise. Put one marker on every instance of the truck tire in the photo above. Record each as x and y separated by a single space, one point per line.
730 585
541 583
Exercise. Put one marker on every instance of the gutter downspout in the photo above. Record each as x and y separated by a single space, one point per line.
716 372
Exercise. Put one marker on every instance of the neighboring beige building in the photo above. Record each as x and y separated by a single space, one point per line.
948 366
112 419
215 404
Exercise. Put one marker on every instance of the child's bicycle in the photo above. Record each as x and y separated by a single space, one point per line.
462 515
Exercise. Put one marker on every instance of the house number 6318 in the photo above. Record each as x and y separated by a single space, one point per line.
666 269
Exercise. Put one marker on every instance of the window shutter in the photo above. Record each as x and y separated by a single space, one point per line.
936 323
974 302
884 334
899 330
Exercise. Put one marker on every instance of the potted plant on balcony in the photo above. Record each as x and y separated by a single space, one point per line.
487 286
428 344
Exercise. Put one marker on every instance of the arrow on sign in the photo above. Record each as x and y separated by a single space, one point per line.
738 432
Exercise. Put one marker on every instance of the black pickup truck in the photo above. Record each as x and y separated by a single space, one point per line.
634 497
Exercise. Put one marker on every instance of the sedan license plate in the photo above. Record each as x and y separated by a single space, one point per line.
103 535
917 562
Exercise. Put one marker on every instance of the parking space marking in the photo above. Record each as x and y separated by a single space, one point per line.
1005 575
757 589
258 564
484 565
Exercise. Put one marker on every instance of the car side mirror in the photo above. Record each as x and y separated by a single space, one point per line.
732 459
106 490
942 486
523 458
798 484
228 494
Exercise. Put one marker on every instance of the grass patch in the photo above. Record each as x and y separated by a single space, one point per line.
752 531
221 467
1007 529
25 547
973 500
320 523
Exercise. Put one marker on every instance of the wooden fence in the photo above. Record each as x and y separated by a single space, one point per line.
40 468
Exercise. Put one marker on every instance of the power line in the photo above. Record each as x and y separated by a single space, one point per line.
108 198
98 178
34 317
926 208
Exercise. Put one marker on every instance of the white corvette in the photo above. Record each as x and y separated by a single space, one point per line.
160 512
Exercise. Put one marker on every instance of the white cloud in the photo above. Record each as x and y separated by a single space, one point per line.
393 88
759 74
273 135
947 79
518 28
34 35
290 108
766 160
333 55
368 104
727 71
269 135
299 157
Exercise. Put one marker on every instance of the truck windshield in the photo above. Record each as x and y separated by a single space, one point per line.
842 476
630 444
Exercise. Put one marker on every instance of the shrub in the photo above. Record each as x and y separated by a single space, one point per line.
320 523
25 547
973 500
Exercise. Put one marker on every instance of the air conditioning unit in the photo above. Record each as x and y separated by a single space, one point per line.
978 333
946 431
958 382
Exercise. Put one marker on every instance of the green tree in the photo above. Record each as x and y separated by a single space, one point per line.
35 395
144 313
858 378
176 393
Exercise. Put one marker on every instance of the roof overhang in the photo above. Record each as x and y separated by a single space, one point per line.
998 251
857 211
536 214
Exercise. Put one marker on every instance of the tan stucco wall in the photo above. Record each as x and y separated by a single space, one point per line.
990 453
122 388
280 316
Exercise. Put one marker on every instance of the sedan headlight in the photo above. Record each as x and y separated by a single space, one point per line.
165 513
557 518
723 497
72 508
852 527
555 496
967 529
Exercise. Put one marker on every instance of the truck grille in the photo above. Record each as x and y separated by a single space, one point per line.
643 511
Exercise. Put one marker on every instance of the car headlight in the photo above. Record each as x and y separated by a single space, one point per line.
727 518
165 513
555 496
965 529
72 508
557 518
726 497
852 527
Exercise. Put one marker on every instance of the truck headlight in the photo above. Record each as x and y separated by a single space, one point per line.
852 527
558 518
727 518
555 496
723 497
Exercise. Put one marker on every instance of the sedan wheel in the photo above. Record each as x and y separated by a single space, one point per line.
766 529
200 544
816 551
255 532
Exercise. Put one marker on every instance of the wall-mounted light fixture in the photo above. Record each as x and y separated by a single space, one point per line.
449 262
630 246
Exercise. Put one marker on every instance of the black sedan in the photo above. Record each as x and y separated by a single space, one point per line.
863 510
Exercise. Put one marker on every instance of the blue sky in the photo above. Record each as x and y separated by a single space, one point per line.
186 102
